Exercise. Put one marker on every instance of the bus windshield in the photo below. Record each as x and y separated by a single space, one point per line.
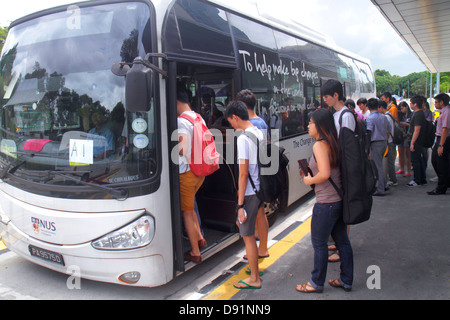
63 122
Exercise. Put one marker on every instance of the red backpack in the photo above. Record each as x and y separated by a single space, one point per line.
204 157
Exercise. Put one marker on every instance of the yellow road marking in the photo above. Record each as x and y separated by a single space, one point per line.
226 291
2 245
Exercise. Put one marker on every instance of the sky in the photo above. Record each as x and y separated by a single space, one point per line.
355 25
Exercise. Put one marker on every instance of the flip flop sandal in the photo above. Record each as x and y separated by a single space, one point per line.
247 286
303 288
336 257
332 247
259 257
202 244
248 271
190 257
335 283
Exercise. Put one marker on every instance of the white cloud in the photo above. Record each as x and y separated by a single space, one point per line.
355 25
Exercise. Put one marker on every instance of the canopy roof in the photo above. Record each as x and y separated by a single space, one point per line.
425 27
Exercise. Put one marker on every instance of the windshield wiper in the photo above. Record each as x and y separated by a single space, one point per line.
37 154
118 194
8 169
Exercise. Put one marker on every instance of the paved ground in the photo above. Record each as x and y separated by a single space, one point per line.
403 250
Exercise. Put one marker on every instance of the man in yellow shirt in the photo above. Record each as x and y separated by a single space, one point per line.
392 108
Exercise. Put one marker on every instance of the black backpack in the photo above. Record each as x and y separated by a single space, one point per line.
398 136
358 174
270 170
430 134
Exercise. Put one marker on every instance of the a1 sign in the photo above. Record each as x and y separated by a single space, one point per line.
81 151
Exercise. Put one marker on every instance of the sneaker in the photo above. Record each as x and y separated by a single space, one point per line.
391 183
400 172
407 174
412 183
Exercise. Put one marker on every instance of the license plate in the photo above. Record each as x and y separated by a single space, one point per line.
46 255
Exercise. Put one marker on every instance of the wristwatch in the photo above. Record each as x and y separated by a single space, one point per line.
239 206
441 146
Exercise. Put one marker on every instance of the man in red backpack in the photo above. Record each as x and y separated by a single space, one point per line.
189 182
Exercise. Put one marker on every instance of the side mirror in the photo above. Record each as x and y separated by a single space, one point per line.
139 81
139 86
120 69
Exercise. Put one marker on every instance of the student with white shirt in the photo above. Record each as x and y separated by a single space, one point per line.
333 96
248 202
262 224
362 104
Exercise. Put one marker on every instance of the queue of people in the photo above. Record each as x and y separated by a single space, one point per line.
327 222
379 116
412 155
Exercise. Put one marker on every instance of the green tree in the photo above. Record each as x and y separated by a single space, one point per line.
445 82
3 33
410 85
420 86
385 82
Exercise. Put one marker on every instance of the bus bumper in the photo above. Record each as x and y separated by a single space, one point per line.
85 262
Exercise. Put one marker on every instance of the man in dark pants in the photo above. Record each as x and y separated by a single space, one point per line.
441 150
418 152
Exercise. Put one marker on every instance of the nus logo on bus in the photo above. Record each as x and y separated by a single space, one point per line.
43 226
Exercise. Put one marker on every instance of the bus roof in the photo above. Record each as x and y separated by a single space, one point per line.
246 8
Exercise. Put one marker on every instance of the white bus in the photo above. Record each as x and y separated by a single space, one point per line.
86 177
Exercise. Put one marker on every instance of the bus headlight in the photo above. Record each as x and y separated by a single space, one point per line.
137 234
